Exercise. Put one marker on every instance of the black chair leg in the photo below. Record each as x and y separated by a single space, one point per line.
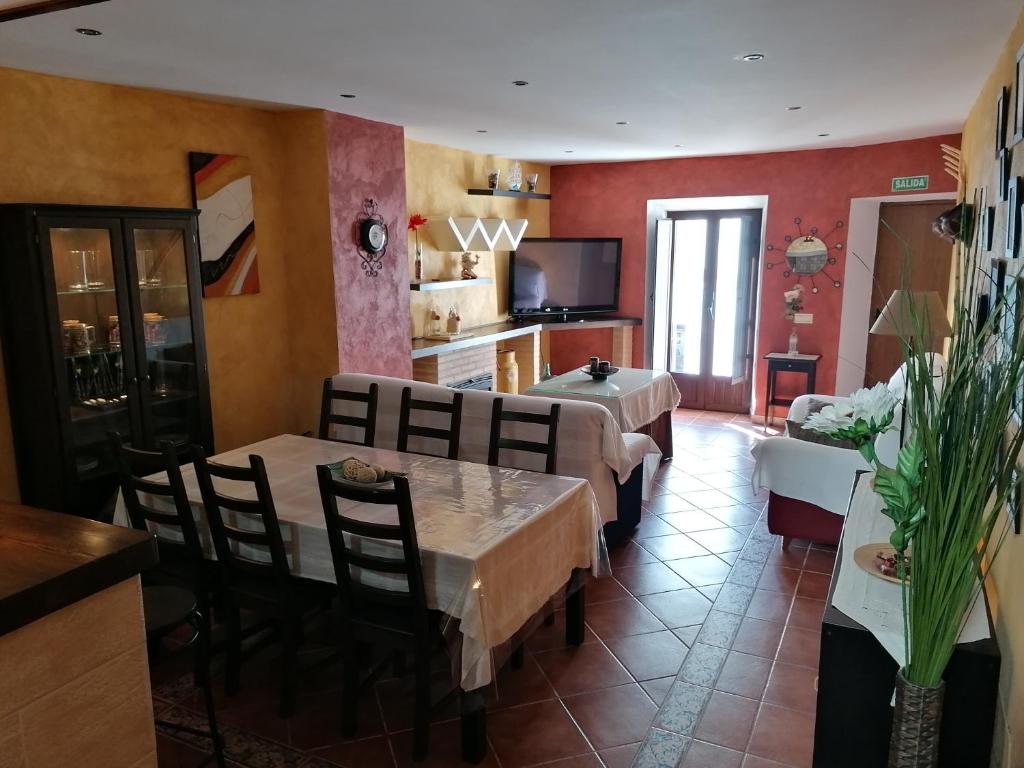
232 649
421 726
290 635
202 665
349 687
201 670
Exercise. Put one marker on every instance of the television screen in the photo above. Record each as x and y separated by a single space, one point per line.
558 275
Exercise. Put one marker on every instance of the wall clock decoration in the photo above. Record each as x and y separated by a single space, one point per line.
371 238
807 255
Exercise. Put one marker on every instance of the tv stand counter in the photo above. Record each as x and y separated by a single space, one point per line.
495 332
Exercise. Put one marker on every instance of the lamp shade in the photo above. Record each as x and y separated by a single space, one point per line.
913 315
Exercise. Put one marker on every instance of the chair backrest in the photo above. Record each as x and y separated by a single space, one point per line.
367 423
133 468
228 536
549 449
355 596
406 428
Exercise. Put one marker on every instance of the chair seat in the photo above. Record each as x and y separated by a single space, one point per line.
263 595
166 609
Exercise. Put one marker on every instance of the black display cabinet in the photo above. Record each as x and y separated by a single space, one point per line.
102 330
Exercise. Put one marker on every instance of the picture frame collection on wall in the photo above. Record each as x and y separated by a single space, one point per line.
1005 276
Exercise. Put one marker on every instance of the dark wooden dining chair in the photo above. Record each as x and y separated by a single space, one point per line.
380 616
549 449
368 422
257 576
406 428
165 503
166 608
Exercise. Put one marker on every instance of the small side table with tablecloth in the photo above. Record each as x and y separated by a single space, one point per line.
787 362
640 400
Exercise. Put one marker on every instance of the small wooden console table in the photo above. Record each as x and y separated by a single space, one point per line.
787 363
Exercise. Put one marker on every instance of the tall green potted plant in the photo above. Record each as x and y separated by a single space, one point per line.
948 491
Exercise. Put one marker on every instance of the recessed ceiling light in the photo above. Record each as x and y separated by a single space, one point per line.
679 146
347 95
824 134
793 109
568 151
520 83
622 122
752 57
88 32
481 130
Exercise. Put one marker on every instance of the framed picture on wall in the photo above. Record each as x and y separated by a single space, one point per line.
1014 200
997 275
1002 114
1015 500
1005 169
1018 99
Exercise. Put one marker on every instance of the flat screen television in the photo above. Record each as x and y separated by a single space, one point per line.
561 275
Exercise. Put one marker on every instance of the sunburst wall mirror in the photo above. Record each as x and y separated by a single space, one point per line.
808 254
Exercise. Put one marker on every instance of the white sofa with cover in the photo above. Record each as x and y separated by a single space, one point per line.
809 484
590 444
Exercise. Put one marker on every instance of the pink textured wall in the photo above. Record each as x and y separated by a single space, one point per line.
610 200
367 159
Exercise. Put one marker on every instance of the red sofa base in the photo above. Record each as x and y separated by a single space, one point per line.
795 519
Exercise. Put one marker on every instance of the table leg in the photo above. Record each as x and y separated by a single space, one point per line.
574 616
474 726
767 397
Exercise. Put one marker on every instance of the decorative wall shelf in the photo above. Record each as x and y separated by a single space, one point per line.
469 233
441 285
509 193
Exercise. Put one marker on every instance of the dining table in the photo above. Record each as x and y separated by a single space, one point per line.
496 543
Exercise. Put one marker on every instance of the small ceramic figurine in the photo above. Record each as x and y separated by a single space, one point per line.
469 261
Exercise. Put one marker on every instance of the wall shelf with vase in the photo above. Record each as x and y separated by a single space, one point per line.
441 285
509 193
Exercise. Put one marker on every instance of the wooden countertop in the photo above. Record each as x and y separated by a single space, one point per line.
488 334
49 560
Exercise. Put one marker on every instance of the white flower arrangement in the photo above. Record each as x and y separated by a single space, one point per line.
868 414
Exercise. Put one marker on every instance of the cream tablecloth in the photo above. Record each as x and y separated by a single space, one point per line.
873 602
635 396
496 543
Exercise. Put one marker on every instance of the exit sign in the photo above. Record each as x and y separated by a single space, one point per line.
909 183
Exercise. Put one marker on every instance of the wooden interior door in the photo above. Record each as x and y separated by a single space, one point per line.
712 300
921 263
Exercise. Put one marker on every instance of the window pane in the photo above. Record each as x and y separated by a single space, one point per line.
726 296
689 263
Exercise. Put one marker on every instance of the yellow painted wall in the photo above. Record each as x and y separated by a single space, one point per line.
436 180
1008 571
69 141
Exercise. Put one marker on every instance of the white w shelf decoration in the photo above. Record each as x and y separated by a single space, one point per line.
469 233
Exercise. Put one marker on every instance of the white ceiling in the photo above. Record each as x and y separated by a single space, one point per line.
863 70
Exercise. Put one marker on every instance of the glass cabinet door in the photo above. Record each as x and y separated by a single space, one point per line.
90 305
169 375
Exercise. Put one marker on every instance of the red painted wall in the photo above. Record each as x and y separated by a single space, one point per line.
610 200
367 159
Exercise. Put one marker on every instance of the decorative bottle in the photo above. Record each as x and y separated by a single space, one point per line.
792 342
508 372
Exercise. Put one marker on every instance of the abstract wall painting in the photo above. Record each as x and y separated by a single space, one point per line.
222 191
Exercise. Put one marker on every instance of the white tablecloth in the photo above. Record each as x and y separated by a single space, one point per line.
496 543
635 396
873 602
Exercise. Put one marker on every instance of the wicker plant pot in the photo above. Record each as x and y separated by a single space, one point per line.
915 725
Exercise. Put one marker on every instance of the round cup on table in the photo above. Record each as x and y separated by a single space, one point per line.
604 366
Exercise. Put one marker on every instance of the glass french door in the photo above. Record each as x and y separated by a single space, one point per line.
706 300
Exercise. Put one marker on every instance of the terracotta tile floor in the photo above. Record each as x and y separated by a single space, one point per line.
707 632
